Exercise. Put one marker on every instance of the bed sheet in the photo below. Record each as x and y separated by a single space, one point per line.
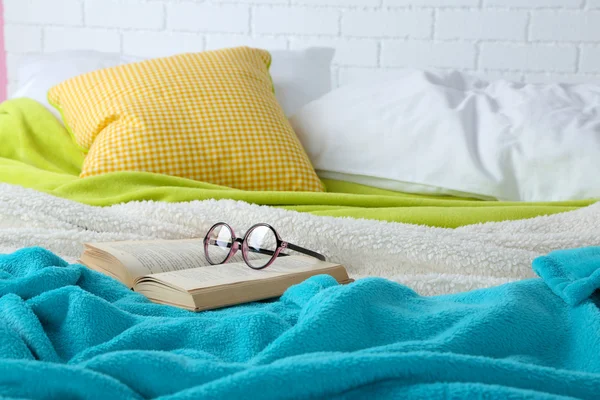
37 152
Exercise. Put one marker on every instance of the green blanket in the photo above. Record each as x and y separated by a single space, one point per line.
37 152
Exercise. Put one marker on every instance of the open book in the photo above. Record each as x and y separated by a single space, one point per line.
176 272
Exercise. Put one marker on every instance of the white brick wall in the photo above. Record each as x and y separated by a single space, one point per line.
529 40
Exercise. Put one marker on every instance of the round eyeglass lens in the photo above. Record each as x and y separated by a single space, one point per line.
219 244
261 245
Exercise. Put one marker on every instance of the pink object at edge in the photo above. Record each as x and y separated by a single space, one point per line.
3 80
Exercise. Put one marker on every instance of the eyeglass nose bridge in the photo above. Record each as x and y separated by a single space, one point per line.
234 247
237 244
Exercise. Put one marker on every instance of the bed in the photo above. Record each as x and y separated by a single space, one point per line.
446 303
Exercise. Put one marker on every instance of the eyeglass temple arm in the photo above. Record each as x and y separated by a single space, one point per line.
306 251
260 251
290 246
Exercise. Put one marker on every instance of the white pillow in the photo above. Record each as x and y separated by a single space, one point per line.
298 76
301 76
450 133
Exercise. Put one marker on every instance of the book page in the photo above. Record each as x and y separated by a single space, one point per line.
158 256
225 274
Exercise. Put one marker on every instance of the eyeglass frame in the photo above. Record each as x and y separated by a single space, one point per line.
237 242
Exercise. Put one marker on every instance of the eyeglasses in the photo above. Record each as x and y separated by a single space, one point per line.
260 246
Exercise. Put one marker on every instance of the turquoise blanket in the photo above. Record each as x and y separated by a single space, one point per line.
68 332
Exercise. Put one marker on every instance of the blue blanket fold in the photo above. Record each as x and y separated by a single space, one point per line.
67 331
574 275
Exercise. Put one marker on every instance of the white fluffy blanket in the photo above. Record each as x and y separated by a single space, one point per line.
430 260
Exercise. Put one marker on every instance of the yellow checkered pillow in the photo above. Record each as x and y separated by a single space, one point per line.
209 116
